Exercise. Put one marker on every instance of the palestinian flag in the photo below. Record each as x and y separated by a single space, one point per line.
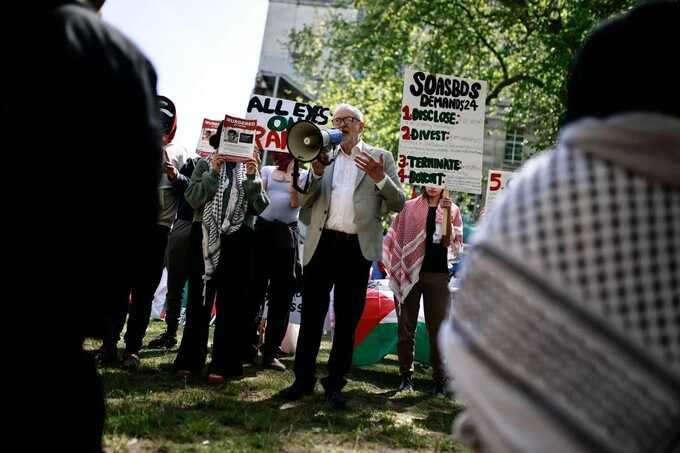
376 335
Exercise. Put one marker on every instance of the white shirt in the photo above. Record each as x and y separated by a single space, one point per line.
341 209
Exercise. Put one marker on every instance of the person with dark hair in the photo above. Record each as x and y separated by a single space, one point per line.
277 264
93 93
145 268
565 332
226 197
416 256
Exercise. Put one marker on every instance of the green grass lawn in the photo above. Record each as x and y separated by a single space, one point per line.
152 410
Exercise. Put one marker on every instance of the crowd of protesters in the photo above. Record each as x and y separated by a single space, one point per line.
553 346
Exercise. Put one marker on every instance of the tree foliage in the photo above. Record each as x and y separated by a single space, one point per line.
522 48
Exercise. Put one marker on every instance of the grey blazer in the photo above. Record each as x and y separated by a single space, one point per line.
370 204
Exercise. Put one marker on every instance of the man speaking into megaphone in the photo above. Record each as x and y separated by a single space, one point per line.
342 210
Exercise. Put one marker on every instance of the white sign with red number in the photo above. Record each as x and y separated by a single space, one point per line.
442 131
498 181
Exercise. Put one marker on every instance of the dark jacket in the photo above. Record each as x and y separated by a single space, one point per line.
82 105
184 209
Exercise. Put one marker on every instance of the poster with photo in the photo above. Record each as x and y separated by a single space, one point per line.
442 131
238 138
209 128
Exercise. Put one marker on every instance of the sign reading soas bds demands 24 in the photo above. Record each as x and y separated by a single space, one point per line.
275 116
442 131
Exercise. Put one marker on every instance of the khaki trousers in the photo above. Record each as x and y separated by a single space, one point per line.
434 287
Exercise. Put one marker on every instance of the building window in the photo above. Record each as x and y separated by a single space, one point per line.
513 146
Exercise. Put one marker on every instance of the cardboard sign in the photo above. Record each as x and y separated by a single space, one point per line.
275 116
442 131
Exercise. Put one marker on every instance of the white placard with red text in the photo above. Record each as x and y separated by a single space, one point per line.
497 182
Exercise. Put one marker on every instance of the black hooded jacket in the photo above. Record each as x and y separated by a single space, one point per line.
82 108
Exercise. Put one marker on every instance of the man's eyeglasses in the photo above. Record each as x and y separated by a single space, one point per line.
346 120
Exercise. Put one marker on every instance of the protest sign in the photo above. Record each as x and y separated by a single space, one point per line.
209 128
498 181
275 116
442 131
238 138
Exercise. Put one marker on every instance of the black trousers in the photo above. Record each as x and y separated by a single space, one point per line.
177 264
193 349
337 261
275 262
140 283
232 283
229 288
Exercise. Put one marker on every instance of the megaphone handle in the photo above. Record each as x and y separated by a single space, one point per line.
296 176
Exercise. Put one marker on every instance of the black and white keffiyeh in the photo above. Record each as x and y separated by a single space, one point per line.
565 333
219 219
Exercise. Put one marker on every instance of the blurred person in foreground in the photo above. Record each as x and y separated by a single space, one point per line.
93 93
565 333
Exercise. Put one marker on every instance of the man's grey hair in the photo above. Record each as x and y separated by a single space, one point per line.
355 111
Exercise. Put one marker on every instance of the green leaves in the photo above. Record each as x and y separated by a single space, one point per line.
522 48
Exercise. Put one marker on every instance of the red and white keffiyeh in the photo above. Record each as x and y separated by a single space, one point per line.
404 245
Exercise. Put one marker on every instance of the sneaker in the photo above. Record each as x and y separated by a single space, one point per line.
296 392
273 363
439 390
215 379
130 362
164 340
406 384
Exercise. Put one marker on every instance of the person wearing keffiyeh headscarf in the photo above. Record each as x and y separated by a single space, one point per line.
564 335
226 197
415 251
